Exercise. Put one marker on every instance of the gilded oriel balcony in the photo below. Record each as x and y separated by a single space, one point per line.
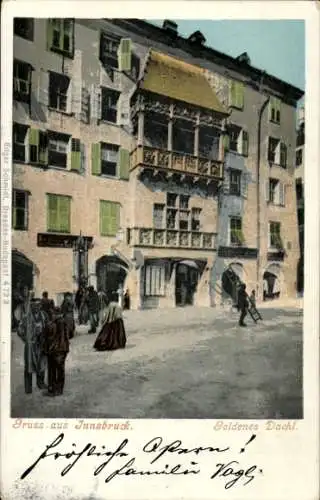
170 238
146 157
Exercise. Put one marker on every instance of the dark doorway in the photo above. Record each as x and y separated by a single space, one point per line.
22 270
186 284
111 274
230 281
271 288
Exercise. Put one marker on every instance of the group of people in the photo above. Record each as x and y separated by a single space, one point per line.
46 331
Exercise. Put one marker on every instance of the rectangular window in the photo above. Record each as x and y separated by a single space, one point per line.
109 50
109 218
58 91
156 131
109 159
171 218
21 81
235 182
158 213
109 105
154 280
19 142
274 191
60 36
275 110
23 26
275 240
234 143
195 219
236 235
58 145
58 213
237 95
171 199
184 220
273 150
299 157
183 137
20 210
209 139
38 147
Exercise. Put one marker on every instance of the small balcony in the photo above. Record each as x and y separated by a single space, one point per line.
172 163
171 238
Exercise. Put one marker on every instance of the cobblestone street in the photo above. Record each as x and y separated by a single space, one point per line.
179 363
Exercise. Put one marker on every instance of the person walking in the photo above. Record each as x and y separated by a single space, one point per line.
242 304
47 305
112 334
56 348
253 299
67 310
93 306
31 331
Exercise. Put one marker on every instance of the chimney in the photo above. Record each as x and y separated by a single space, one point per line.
197 38
170 27
244 58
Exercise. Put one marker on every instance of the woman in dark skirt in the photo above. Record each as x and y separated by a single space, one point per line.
112 334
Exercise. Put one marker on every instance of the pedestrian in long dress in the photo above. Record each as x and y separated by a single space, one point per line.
112 333
56 347
31 331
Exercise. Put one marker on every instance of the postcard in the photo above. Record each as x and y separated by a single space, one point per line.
160 250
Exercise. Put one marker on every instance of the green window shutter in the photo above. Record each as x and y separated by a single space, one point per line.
124 163
14 212
125 54
49 33
64 214
245 143
239 95
105 209
75 155
114 218
96 159
52 213
233 93
34 137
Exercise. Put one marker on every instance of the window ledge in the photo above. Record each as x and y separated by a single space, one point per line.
54 231
65 53
273 164
275 122
236 153
237 107
107 122
61 112
25 229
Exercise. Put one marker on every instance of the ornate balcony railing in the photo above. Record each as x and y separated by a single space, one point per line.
161 238
176 162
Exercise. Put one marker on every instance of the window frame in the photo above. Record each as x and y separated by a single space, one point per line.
109 147
235 233
238 173
275 110
154 286
275 246
65 140
59 198
18 95
28 32
111 204
25 210
114 108
25 144
58 25
55 93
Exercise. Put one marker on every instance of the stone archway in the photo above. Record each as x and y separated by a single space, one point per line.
111 274
23 270
272 282
229 288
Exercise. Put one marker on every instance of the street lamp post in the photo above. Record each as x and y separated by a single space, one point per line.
80 252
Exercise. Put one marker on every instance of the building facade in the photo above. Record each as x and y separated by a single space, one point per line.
171 160
299 174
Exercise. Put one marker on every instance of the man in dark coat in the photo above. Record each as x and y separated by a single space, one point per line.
67 309
242 304
31 331
47 305
56 348
93 306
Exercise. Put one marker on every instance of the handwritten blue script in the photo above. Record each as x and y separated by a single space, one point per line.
119 462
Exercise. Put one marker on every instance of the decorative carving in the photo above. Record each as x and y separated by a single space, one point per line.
158 237
207 240
186 112
220 85
196 240
149 156
172 238
145 236
184 239
164 159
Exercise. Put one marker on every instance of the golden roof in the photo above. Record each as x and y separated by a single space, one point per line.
171 77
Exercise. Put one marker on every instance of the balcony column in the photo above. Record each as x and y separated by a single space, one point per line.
196 135
170 127
140 127
221 141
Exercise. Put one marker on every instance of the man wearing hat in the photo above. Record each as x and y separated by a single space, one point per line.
31 331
